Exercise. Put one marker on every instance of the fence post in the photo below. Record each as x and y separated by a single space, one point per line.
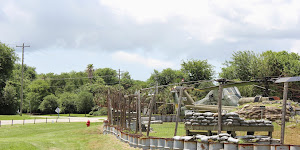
69 120
178 110
139 112
0 123
12 122
46 119
34 121
23 121
150 113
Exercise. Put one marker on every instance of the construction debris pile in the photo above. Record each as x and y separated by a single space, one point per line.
230 119
264 112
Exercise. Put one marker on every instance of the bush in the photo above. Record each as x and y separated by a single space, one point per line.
100 112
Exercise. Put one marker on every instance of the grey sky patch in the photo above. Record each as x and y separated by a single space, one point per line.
77 33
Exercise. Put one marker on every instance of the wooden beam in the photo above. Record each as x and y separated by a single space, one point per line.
285 91
139 111
178 110
220 108
150 113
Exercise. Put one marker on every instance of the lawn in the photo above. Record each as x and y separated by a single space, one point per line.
166 130
74 115
57 136
17 117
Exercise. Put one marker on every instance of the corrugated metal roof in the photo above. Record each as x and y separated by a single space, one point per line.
287 79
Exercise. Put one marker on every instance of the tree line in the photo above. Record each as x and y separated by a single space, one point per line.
86 91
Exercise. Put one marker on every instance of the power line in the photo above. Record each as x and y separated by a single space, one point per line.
75 78
193 83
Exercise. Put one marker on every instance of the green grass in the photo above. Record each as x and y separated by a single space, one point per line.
166 130
57 136
74 115
17 117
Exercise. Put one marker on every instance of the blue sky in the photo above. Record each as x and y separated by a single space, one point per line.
139 36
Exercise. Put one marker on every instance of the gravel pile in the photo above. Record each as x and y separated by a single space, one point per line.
230 119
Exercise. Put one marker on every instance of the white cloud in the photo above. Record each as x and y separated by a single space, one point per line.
296 47
133 58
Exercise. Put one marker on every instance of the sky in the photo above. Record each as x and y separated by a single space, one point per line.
139 36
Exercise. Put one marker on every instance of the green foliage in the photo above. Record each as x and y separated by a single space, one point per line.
85 102
7 61
243 66
67 102
197 70
98 111
35 93
126 80
246 65
9 103
166 76
49 104
109 75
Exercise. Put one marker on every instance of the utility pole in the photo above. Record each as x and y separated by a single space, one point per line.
21 105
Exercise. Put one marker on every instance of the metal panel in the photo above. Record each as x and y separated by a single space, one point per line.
287 79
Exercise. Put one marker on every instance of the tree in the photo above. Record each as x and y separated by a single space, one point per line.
126 80
197 70
85 102
7 61
49 104
246 65
109 75
9 104
68 102
90 70
243 66
35 93
166 76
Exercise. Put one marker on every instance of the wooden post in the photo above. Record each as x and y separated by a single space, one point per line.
139 112
178 110
136 116
150 113
110 115
220 108
285 91
129 111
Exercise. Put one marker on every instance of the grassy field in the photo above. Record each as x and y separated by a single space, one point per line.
25 116
57 136
17 117
74 115
166 130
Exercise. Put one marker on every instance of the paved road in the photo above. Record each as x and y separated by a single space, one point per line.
51 119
